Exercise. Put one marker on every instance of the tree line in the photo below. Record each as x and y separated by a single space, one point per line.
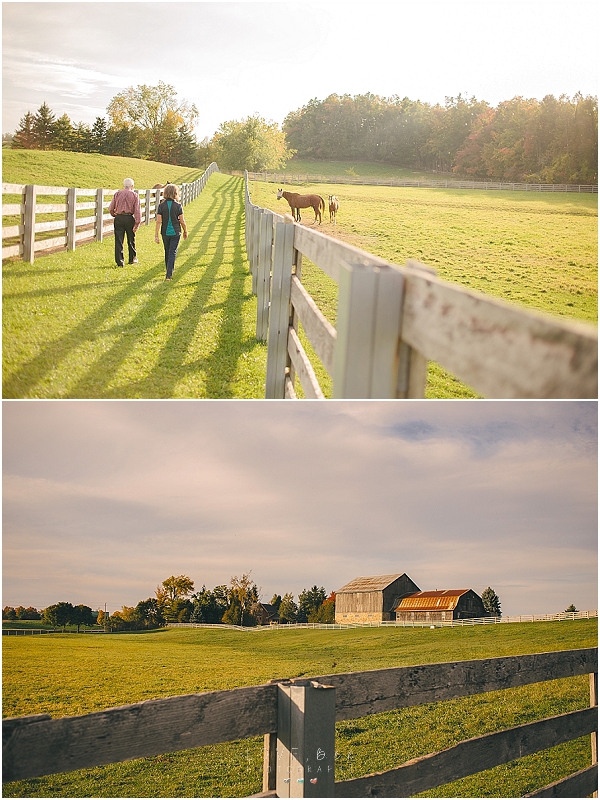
236 603
525 140
547 141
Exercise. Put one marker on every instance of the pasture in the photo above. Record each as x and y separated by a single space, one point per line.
532 249
68 674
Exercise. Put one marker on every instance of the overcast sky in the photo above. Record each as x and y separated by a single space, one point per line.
103 500
236 59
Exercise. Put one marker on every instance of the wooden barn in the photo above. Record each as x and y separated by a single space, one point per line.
439 606
371 599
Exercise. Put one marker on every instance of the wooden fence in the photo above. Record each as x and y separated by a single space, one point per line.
79 214
273 177
297 718
392 319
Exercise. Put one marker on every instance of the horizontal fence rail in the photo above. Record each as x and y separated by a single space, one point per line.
455 623
39 745
80 216
392 320
423 183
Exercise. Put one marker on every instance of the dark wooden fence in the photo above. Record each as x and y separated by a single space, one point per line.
297 718
392 319
78 215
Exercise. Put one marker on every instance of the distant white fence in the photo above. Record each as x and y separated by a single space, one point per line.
338 626
392 319
68 207
273 177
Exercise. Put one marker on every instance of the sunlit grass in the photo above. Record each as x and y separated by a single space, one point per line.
536 250
77 326
69 674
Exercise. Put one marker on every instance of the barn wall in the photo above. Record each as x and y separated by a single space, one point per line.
469 606
359 603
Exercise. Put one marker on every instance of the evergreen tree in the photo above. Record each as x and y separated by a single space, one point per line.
491 602
288 610
571 610
276 601
24 138
99 135
309 603
63 134
43 128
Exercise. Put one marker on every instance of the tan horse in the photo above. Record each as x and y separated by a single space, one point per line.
298 201
334 205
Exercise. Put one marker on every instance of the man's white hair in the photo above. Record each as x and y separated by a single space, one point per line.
128 182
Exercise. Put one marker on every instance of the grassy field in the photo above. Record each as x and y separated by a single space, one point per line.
88 170
77 326
355 169
535 250
68 674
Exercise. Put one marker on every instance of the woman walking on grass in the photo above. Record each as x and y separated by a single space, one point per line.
170 222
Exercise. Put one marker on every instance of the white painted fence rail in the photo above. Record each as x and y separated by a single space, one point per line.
297 718
27 237
423 183
340 626
392 319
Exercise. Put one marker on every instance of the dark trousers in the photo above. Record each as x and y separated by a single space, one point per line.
171 243
124 227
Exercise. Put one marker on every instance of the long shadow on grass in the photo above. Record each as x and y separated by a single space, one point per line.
219 368
24 380
94 382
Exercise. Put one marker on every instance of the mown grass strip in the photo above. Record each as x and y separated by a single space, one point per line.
68 674
77 326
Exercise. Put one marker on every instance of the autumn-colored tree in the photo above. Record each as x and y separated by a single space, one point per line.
24 138
155 113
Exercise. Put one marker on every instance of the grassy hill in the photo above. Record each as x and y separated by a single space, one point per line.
69 674
87 170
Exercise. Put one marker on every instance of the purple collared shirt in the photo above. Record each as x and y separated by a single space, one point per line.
126 201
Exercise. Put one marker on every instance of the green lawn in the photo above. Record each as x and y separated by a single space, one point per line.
77 326
532 249
68 674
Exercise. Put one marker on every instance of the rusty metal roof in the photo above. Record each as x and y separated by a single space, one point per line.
370 584
445 600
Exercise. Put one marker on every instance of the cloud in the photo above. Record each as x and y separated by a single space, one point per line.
298 493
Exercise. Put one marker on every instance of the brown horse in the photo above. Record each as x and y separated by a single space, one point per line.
160 185
298 201
334 205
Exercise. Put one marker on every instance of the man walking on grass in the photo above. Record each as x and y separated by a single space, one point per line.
125 208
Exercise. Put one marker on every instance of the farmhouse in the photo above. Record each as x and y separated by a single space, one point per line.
266 614
372 599
439 606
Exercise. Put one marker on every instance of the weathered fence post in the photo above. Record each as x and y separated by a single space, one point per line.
412 365
71 217
305 740
147 206
29 201
99 215
279 314
368 331
593 704
263 274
